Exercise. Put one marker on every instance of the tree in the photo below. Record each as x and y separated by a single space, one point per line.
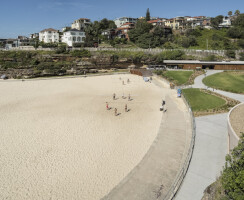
237 12
230 54
241 56
232 178
216 21
148 17
230 13
239 21
235 32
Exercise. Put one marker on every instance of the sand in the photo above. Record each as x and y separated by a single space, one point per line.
58 141
237 119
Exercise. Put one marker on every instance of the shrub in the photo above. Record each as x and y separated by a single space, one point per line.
233 173
230 54
241 56
210 58
81 53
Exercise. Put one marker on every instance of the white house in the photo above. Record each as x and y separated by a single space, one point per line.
122 20
226 23
73 36
49 35
81 23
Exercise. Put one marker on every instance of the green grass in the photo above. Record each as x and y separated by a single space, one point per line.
179 77
227 81
201 101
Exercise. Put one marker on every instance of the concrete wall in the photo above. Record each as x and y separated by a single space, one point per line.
232 136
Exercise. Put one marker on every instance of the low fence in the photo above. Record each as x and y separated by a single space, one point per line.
155 51
149 51
182 173
232 136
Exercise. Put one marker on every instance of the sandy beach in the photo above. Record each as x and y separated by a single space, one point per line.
58 141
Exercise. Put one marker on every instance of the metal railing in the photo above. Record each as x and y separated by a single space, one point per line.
182 173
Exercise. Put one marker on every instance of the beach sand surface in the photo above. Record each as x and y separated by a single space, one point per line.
58 141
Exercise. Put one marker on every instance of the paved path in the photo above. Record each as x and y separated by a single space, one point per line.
208 156
199 84
210 148
154 175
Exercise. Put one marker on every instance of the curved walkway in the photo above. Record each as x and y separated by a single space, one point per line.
154 175
199 84
211 147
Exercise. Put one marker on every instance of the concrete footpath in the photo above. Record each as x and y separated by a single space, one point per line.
199 84
154 175
208 156
211 147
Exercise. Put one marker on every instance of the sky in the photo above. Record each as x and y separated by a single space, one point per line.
23 17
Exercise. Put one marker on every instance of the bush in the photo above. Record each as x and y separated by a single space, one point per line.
81 53
170 55
241 43
232 178
241 56
211 58
61 49
230 54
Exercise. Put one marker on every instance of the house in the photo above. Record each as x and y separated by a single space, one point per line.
122 20
34 35
122 31
157 22
177 23
194 22
109 33
49 35
73 36
226 23
81 23
207 23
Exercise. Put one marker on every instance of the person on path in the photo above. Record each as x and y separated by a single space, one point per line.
107 106
126 108
128 80
114 96
115 112
129 97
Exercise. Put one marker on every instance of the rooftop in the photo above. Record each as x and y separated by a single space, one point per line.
49 29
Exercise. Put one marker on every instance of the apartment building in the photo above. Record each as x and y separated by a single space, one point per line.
122 20
73 36
49 35
81 23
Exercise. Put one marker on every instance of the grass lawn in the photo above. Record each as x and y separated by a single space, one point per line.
179 77
201 101
228 81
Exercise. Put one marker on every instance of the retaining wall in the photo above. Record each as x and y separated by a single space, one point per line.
232 136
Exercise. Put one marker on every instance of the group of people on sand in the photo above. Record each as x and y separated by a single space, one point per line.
115 109
123 82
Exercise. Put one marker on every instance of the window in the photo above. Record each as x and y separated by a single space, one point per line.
74 39
78 39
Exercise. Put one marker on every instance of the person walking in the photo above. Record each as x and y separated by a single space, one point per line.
107 107
126 108
115 112
128 80
129 97
114 96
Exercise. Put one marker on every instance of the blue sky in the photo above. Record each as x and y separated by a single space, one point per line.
22 17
